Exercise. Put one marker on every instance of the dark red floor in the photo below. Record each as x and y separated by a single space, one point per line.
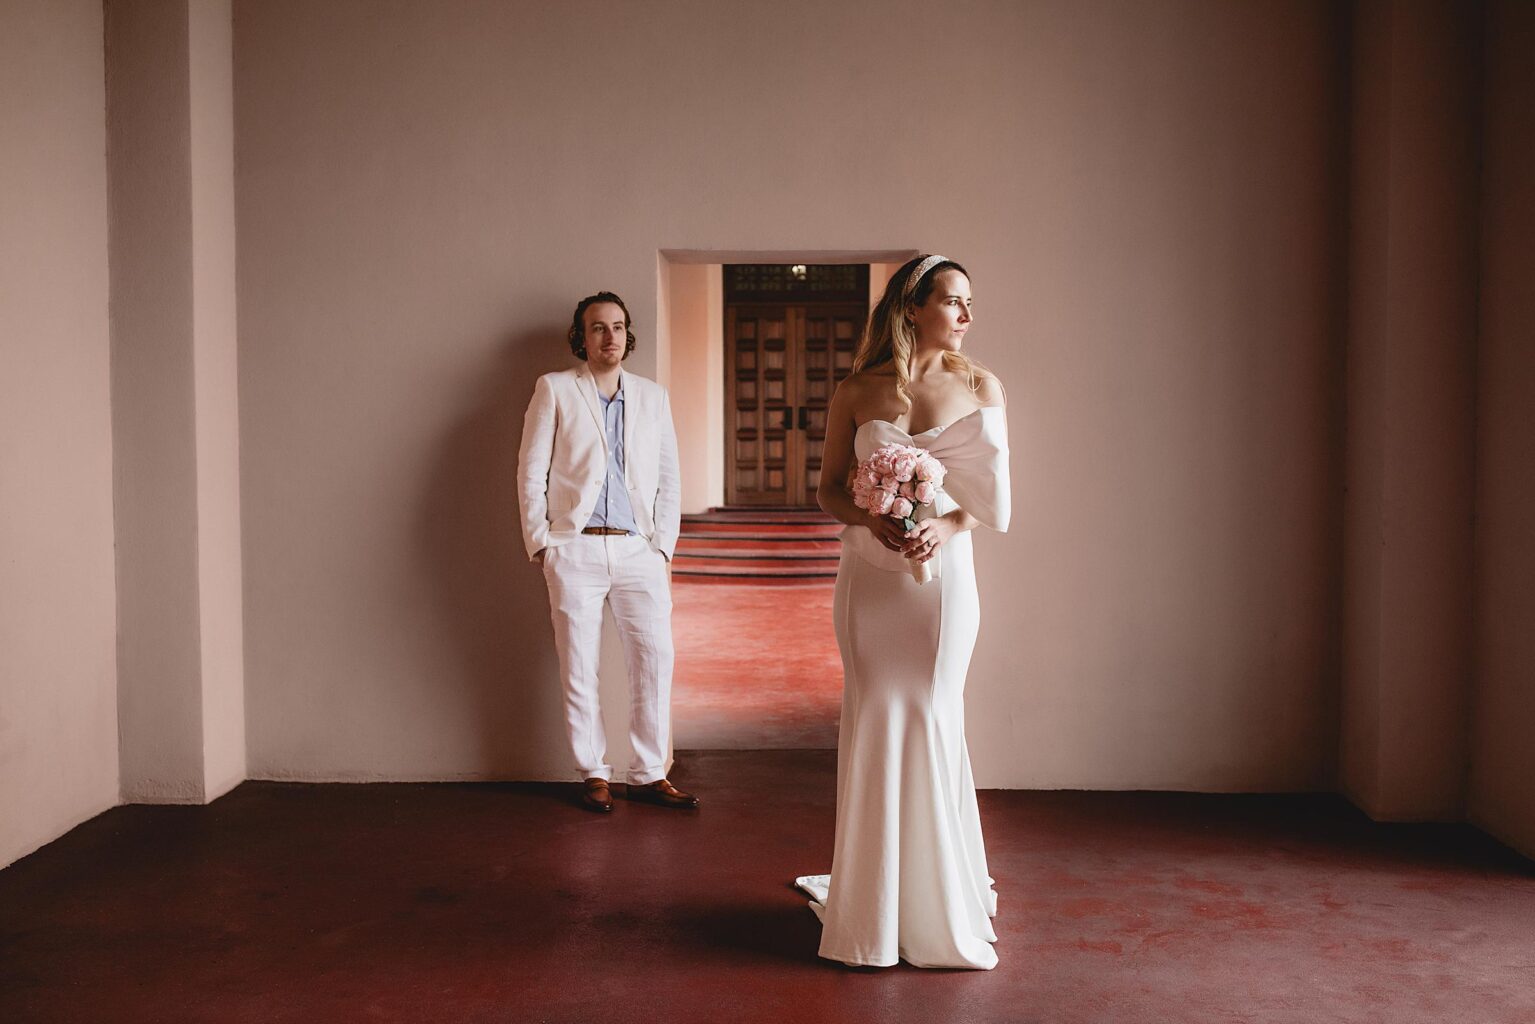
757 666
477 903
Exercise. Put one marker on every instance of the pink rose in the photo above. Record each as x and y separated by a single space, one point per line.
889 485
904 464
907 490
882 502
926 492
901 508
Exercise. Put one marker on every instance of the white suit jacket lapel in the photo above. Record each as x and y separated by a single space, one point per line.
587 385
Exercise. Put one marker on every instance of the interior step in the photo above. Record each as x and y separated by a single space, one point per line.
762 510
771 547
831 528
746 572
750 564
776 516
705 579
754 546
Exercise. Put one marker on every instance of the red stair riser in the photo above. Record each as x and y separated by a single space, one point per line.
762 581
793 529
764 549
751 566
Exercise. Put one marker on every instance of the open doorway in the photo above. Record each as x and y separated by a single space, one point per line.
790 334
752 346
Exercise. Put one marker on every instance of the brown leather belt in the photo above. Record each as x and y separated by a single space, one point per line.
606 531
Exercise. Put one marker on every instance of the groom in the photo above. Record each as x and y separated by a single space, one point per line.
597 482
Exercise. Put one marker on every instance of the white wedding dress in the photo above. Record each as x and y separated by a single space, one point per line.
908 875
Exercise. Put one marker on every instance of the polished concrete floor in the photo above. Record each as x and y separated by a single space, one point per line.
480 903
757 667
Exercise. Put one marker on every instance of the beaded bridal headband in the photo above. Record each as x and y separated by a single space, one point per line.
918 271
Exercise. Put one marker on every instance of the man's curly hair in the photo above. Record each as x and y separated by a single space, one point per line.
577 336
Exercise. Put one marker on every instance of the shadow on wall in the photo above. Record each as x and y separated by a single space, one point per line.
492 598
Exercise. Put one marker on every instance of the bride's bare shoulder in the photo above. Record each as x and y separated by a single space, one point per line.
989 391
859 387
874 377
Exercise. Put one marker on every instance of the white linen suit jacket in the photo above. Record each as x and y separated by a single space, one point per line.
564 458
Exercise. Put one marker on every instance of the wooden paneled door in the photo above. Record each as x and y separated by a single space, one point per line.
782 363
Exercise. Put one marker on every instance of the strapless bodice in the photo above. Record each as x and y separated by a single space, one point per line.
973 451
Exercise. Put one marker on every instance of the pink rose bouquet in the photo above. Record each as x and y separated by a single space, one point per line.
896 480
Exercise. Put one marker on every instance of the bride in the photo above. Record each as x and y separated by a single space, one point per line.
908 875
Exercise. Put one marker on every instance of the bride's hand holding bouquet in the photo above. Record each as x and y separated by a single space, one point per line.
895 484
923 542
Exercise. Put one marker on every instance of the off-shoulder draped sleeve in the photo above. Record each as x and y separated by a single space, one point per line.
973 451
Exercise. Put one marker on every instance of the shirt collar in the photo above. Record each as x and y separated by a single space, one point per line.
618 396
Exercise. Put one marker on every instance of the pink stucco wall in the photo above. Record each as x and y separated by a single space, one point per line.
1148 198
58 695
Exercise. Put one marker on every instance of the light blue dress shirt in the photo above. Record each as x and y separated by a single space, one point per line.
613 507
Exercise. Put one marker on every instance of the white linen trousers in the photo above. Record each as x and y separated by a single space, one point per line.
628 575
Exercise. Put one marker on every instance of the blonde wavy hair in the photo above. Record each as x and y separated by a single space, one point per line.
891 338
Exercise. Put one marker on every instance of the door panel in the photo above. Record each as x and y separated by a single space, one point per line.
829 336
782 364
758 407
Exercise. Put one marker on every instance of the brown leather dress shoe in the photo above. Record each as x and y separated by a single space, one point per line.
596 796
663 794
